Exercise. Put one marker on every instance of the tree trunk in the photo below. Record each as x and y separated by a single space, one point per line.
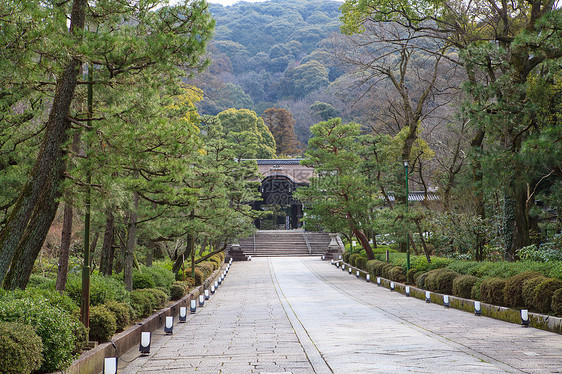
66 236
26 229
107 249
150 255
131 242
93 245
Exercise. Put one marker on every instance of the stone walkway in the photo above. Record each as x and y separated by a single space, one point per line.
302 315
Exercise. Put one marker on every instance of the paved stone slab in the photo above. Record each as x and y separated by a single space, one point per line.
302 315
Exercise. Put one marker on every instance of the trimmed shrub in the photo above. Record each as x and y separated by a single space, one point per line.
386 268
475 293
121 313
361 262
444 281
543 294
102 323
160 296
20 348
491 290
528 291
143 302
420 281
370 267
102 289
345 256
166 290
557 302
207 268
161 273
199 276
431 280
462 286
397 274
178 290
352 259
378 268
513 292
410 277
216 259
142 280
54 327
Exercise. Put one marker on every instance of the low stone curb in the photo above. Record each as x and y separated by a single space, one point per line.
539 321
92 361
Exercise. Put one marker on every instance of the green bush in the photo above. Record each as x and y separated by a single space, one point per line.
142 280
420 281
161 274
361 262
462 286
121 312
102 323
378 268
20 348
206 268
557 302
370 267
410 277
54 327
491 291
432 279
475 293
143 302
160 296
444 281
102 289
199 276
345 256
513 292
39 281
166 290
216 260
178 290
352 258
543 294
528 291
396 274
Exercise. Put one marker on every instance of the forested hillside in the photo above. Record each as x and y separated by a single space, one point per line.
272 54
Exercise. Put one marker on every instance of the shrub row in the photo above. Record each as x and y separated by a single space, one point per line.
528 289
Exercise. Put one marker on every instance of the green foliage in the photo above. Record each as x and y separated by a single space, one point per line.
557 302
544 292
102 289
20 348
528 290
143 302
178 290
462 286
206 268
161 273
53 326
199 276
445 280
142 280
103 323
352 259
160 297
396 273
121 312
361 262
513 296
345 256
492 291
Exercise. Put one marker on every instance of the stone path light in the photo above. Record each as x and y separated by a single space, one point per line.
201 301
144 346
525 317
169 325
183 314
477 308
446 301
193 306
110 365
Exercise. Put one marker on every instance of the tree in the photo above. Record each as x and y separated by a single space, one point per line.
145 43
248 132
281 124
338 195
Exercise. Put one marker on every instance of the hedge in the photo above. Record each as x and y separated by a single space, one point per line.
462 286
345 256
102 289
178 290
491 290
121 312
352 259
361 263
20 348
142 280
513 292
102 323
56 329
557 301
528 290
543 294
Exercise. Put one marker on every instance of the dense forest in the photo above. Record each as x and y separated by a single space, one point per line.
273 54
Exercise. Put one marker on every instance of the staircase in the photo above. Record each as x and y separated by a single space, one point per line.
287 243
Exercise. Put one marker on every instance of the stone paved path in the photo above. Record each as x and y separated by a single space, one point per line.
302 315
